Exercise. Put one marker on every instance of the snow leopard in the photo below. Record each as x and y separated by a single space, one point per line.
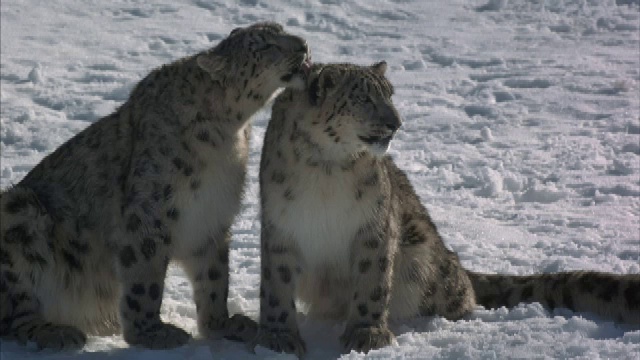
345 235
87 235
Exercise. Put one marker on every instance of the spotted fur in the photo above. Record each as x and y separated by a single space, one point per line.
344 233
87 235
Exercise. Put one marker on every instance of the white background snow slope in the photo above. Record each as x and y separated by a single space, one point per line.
521 136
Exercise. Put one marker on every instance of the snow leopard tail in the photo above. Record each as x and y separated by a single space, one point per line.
614 296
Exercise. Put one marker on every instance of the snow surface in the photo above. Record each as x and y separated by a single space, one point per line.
521 135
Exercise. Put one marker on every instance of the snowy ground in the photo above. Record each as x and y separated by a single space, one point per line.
521 135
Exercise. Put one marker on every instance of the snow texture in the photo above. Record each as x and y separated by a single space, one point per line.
521 136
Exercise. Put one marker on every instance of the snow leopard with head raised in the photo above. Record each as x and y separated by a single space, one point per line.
87 235
344 233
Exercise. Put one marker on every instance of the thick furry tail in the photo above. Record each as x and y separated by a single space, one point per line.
614 296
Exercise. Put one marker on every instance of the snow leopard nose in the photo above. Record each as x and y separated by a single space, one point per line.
303 47
392 121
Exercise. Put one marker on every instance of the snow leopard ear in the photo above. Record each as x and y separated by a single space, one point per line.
215 65
323 85
379 68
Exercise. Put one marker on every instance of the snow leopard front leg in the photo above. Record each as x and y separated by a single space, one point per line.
373 253
278 328
208 270
142 270
143 256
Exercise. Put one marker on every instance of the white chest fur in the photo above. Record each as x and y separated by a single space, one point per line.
207 211
322 217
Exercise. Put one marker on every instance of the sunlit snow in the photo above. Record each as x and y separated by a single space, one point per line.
521 135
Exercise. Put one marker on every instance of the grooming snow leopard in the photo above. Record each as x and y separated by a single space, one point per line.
344 232
87 235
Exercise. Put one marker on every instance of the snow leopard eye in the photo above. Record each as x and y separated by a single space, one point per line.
266 47
362 98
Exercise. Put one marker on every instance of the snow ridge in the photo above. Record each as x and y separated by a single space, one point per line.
521 134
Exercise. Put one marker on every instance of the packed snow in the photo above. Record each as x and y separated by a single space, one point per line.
521 135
